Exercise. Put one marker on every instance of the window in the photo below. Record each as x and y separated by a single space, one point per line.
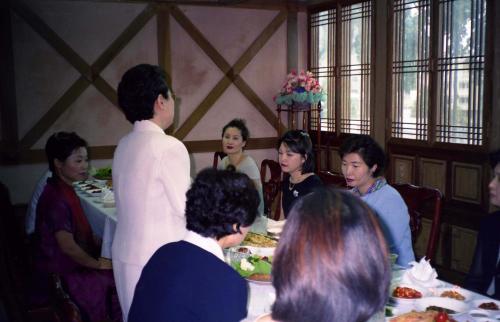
438 42
341 59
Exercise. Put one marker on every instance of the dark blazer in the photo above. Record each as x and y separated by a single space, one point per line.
485 266
185 283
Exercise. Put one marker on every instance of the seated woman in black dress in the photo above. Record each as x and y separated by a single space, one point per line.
331 263
484 274
189 280
296 159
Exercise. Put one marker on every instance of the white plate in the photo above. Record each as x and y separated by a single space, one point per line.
465 293
94 192
476 303
479 313
488 319
261 251
444 302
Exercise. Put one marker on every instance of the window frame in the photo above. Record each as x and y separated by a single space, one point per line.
333 136
431 142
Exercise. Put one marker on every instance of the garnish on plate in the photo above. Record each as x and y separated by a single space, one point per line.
103 173
254 267
406 293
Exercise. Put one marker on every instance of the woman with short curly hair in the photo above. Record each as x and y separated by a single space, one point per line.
189 280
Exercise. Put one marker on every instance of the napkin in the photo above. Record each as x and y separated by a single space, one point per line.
275 227
421 274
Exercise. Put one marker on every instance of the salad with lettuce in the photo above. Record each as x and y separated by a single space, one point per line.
103 173
253 264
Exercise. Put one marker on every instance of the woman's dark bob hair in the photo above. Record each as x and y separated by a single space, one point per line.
369 150
217 200
138 90
61 145
331 263
240 125
298 141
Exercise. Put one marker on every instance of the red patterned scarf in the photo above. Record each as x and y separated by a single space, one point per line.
83 232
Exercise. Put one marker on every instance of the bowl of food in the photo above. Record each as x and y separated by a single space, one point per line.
406 293
487 304
441 304
456 293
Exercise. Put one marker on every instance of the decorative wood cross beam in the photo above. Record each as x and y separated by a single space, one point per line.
231 73
90 74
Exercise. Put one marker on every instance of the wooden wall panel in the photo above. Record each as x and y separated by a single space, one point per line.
403 168
463 246
323 152
433 174
335 161
420 247
466 182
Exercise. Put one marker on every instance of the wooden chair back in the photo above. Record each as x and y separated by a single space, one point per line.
330 178
15 272
218 155
420 200
271 188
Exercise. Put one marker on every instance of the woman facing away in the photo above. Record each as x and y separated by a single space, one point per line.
64 241
363 162
188 280
331 263
234 139
484 274
296 159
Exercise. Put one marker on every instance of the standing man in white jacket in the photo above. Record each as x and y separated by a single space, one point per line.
150 178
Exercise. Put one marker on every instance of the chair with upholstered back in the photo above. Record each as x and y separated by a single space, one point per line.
330 178
420 200
271 188
218 155
15 270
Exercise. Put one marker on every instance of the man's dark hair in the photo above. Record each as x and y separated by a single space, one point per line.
138 90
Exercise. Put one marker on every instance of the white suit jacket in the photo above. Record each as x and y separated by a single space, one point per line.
150 180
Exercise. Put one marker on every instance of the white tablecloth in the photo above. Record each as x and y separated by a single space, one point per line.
101 219
261 298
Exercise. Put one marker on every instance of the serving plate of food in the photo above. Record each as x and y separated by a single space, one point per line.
423 316
406 294
449 305
258 240
103 174
253 267
487 304
456 293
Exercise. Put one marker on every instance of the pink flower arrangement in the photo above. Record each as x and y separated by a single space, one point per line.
301 87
